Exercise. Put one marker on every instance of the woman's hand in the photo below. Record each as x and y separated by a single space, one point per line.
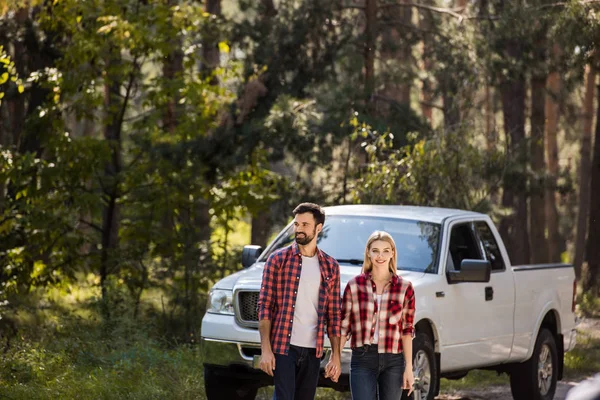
408 380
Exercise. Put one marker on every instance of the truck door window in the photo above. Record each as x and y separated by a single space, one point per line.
463 245
490 245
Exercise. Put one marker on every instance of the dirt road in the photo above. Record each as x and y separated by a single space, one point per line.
501 393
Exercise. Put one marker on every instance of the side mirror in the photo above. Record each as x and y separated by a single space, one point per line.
250 254
471 271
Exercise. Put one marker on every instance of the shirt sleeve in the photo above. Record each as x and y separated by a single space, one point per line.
333 305
267 288
347 311
408 310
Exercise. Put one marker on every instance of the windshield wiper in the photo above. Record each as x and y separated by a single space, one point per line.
353 261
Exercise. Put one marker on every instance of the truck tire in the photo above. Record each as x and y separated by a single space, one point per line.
426 370
535 379
220 387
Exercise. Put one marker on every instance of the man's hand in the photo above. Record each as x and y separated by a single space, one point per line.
408 380
267 362
333 368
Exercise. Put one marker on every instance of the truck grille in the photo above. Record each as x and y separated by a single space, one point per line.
247 308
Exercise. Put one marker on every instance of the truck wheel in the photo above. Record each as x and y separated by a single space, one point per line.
535 379
219 387
427 376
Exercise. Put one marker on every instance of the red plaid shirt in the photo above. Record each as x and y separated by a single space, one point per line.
277 297
359 312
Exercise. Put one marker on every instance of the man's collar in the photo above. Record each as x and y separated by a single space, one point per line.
296 250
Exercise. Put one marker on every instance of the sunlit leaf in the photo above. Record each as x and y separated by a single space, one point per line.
223 47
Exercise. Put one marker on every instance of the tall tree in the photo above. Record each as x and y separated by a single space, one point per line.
537 225
114 110
426 24
585 168
552 111
507 37
591 282
370 49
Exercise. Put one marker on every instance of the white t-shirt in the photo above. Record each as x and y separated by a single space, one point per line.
304 330
376 334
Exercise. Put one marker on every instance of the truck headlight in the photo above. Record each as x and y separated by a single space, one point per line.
220 301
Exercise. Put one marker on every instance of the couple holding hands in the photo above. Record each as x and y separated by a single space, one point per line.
300 298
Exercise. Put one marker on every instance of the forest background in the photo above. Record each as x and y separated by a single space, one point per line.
143 143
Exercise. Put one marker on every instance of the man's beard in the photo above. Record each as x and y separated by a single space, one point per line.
304 239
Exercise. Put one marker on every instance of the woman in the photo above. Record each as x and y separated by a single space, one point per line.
378 309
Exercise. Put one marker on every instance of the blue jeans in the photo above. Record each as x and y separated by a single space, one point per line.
297 374
376 376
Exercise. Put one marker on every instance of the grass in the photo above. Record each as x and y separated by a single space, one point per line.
474 379
63 350
584 359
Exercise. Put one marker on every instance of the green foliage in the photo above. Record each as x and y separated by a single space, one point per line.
444 171
589 305
67 356
8 74
170 180
39 240
585 358
577 31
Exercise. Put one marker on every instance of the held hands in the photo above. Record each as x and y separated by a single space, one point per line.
408 380
267 362
333 369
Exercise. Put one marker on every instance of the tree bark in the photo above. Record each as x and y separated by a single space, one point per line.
369 50
210 46
539 249
514 227
16 104
490 126
552 117
261 224
584 169
426 23
591 281
113 106
172 67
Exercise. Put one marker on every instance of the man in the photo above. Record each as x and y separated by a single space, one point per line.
299 296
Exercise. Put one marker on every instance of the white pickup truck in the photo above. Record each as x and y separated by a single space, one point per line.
474 310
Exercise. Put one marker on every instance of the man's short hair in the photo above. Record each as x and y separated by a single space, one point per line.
312 208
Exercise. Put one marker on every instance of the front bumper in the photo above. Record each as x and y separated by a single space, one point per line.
240 360
225 353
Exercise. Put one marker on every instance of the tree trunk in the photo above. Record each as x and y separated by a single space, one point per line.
490 118
590 280
584 169
210 46
539 250
426 23
16 104
552 116
113 107
172 67
369 50
514 228
261 224
405 55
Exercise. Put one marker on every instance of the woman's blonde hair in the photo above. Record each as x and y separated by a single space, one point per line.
386 237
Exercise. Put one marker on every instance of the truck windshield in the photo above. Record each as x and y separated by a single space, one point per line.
345 237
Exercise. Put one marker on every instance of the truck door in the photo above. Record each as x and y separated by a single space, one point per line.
502 288
477 320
